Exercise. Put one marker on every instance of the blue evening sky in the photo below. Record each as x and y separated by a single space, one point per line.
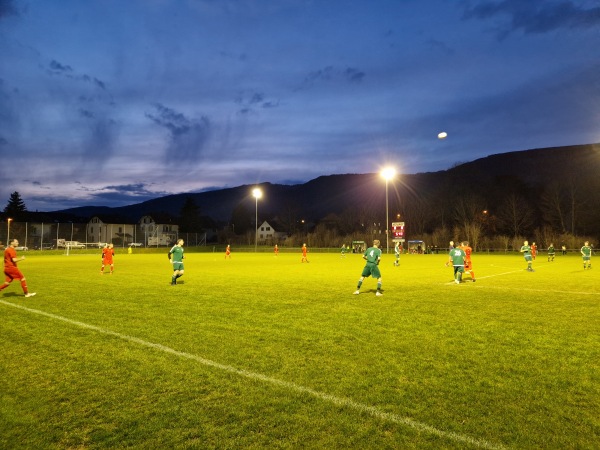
113 102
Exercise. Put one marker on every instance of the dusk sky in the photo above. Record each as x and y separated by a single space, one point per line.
114 102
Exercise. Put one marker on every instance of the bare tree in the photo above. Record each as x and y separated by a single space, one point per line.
515 214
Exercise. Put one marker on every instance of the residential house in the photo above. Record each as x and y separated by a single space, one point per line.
268 235
118 230
158 230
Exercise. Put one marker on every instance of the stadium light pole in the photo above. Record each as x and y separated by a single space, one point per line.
9 220
256 193
388 173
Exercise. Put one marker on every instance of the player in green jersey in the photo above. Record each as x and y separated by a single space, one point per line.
176 258
551 253
526 250
456 257
372 255
397 252
586 253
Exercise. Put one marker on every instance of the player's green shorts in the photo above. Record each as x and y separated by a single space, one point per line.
371 270
177 266
586 258
527 258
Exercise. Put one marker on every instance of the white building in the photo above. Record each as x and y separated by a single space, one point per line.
267 234
106 230
147 231
158 233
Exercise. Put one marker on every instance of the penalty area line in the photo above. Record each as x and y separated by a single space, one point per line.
338 401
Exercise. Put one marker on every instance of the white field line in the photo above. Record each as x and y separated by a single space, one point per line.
489 276
538 290
338 401
522 288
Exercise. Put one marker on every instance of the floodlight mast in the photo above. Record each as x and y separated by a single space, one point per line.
388 174
256 193
9 220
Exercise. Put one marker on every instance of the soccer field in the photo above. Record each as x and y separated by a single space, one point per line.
265 352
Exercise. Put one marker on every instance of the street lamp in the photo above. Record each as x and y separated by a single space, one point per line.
256 193
388 173
8 231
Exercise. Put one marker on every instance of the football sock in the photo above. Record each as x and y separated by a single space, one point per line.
359 284
378 286
24 286
5 285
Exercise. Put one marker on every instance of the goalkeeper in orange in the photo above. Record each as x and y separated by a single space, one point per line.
468 265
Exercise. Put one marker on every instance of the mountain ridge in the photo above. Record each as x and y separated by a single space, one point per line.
335 193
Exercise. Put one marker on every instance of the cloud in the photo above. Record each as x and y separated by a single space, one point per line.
7 9
57 68
188 137
236 57
85 113
122 194
534 17
252 100
114 195
331 74
353 75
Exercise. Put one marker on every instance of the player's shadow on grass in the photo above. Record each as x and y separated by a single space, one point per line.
12 294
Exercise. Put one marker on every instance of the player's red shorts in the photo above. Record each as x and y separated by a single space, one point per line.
13 273
467 265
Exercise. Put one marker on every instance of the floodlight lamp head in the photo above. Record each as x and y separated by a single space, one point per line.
388 173
256 193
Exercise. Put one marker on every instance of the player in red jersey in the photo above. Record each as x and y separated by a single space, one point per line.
304 252
468 265
533 251
228 252
276 250
11 271
107 258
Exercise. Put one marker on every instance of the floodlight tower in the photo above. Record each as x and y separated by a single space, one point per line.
256 193
388 174
8 221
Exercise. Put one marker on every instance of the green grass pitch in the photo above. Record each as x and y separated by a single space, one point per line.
264 352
